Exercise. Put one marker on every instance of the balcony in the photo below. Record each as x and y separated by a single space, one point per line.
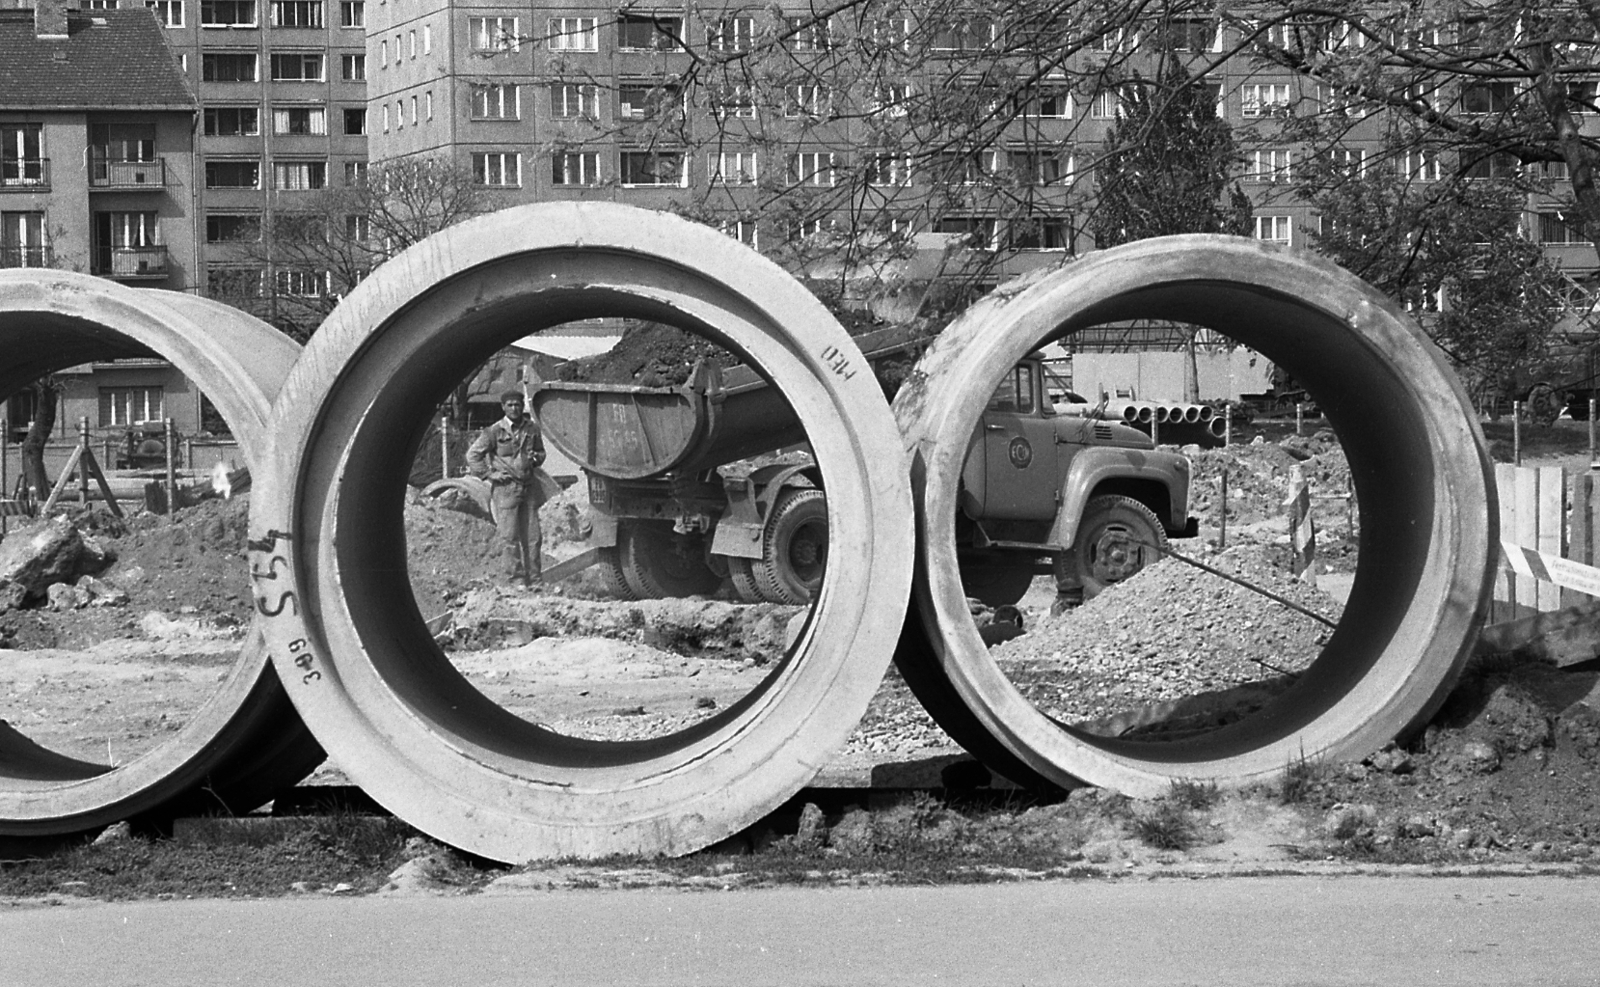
134 263
25 257
105 173
24 174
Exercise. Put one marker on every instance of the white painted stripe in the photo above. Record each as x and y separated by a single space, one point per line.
1572 575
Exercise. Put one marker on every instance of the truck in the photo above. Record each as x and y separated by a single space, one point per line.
694 484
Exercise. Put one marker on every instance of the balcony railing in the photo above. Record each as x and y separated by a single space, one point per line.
25 256
106 173
137 262
24 174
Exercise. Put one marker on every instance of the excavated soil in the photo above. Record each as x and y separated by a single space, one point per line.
1510 763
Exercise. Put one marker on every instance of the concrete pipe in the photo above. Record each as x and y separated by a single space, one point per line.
246 742
329 543
1147 414
1207 413
1191 414
1422 476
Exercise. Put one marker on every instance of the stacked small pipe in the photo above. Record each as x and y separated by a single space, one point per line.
1177 423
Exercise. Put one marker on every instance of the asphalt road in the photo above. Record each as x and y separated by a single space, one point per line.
1277 931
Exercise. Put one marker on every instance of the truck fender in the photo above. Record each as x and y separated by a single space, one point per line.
1097 464
740 529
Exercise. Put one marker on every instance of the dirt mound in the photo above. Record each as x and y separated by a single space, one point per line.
648 354
1169 633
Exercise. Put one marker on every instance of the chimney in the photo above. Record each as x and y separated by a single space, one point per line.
50 18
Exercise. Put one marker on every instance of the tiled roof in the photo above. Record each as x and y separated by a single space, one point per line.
110 60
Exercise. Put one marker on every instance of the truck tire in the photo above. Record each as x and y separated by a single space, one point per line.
794 550
996 585
658 564
1117 537
743 577
613 576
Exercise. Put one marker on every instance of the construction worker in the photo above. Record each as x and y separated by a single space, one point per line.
508 454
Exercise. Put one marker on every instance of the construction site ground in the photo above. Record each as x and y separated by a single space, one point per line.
1506 776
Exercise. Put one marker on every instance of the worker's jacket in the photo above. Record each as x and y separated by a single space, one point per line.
507 453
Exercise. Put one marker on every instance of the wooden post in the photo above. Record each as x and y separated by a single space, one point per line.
1299 418
83 465
1516 433
1592 464
188 454
444 446
1585 527
1155 430
1222 537
172 469
1227 424
5 478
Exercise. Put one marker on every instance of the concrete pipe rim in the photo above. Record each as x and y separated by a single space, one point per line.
1370 682
507 790
52 319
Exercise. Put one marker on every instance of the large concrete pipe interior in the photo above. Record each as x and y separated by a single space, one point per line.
371 681
1416 456
245 742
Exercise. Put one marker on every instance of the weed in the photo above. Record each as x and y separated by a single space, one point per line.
1301 780
1197 795
1169 826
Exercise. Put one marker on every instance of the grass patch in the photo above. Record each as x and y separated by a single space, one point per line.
1168 826
1196 795
1302 780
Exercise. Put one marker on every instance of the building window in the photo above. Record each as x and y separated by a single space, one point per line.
1349 162
1192 34
427 38
731 34
575 168
1270 165
731 101
228 13
427 104
299 176
1274 229
491 34
653 168
352 13
743 230
495 101
399 114
233 282
1418 166
233 174
888 169
228 66
411 43
808 100
811 168
1264 99
1107 105
1495 165
232 121
570 101
1488 97
964 34
1052 102
22 240
644 32
295 283
355 172
386 118
300 120
124 406
226 227
1033 167
977 232
21 155
573 34
352 68
812 33
296 13
357 228
168 12
645 101
1041 233
355 120
732 167
383 54
499 169
1560 227
297 66
959 168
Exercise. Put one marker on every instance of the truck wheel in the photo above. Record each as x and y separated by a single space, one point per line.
612 575
996 585
794 552
743 577
657 564
1115 539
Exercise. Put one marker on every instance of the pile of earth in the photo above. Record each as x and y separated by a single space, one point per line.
649 354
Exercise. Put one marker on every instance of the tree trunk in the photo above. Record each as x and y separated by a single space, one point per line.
44 421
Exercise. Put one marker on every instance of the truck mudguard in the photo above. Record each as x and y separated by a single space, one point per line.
1095 465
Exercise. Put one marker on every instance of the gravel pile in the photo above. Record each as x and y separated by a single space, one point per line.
1170 633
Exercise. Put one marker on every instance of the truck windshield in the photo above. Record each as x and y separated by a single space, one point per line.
1015 393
